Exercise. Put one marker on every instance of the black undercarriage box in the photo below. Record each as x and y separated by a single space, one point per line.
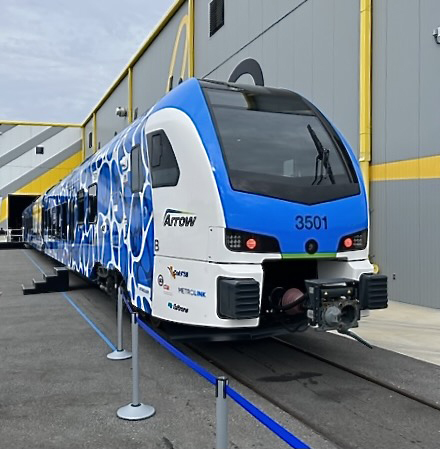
373 291
238 299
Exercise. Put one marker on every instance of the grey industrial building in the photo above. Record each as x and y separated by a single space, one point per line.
370 65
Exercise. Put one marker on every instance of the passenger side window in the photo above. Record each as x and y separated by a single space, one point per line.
93 204
54 221
64 220
80 206
137 170
71 219
58 222
163 164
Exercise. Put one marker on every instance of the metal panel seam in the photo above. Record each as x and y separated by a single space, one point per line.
24 123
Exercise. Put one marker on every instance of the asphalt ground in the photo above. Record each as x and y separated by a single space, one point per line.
58 389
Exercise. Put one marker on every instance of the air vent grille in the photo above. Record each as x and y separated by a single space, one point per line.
373 291
216 16
238 298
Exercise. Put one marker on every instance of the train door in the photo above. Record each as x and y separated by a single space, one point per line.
92 217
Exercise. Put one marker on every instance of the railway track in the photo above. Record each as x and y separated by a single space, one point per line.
352 409
368 377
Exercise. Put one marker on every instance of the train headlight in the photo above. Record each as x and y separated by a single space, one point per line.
251 244
354 242
247 242
348 243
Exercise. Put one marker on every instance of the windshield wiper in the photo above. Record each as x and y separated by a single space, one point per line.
322 160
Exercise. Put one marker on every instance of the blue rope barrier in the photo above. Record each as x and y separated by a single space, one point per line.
266 420
127 303
180 355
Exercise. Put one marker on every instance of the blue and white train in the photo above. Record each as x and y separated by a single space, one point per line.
237 209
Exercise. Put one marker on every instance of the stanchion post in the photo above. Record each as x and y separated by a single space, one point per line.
135 410
119 353
222 438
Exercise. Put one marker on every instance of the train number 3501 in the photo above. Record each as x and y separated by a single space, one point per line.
310 222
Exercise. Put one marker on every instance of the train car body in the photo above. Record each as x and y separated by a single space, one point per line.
224 206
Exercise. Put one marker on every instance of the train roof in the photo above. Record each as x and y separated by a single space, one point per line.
187 97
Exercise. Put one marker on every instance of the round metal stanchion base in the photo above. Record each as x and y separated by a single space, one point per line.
119 355
135 412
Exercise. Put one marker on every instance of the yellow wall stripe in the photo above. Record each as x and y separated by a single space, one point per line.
365 91
130 95
83 142
183 24
95 132
191 13
422 168
44 182
4 209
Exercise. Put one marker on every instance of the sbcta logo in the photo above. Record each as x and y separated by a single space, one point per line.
177 273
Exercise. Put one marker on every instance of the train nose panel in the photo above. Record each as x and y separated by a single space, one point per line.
301 230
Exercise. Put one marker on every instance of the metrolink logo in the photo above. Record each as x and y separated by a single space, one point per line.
175 218
191 292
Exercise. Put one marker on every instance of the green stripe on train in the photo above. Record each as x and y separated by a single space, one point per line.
308 256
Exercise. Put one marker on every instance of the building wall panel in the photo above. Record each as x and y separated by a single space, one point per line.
17 136
345 56
403 240
150 74
17 168
378 225
87 147
245 20
402 88
108 122
406 61
379 82
303 50
429 79
428 268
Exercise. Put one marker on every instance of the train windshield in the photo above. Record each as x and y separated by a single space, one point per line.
275 143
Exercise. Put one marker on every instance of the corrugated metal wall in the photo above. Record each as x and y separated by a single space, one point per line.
150 74
405 209
108 122
88 135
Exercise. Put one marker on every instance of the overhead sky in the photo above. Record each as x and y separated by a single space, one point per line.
58 57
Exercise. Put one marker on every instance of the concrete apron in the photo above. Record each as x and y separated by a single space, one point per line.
404 328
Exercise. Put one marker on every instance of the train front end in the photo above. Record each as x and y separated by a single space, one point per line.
282 218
